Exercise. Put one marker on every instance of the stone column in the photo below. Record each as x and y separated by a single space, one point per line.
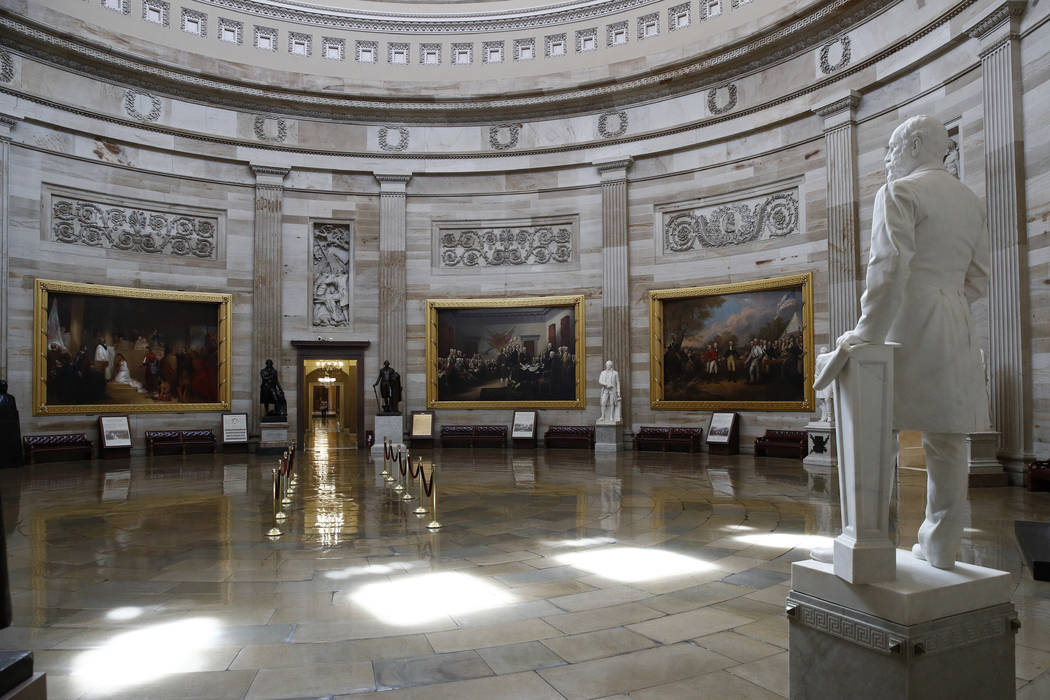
1008 359
267 272
616 316
392 281
7 123
840 146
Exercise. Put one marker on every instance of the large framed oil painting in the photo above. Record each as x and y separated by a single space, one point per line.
506 353
744 346
103 349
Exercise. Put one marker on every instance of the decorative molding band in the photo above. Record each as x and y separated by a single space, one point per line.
383 137
1009 10
825 56
603 124
505 244
849 102
272 170
430 23
331 246
133 226
131 105
734 222
7 67
278 135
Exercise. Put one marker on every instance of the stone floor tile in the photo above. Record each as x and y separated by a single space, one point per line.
697 596
602 618
737 646
292 654
215 685
687 625
771 673
711 685
426 670
1031 662
597 645
516 686
491 635
312 681
600 598
512 658
771 630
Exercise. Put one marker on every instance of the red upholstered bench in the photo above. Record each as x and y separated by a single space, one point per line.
782 443
457 435
63 444
581 436
651 437
179 439
684 439
473 435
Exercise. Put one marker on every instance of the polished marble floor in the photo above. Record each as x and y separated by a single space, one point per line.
557 574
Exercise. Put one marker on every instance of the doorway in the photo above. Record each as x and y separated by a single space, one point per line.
330 390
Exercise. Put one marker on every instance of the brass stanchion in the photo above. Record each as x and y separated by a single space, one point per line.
421 509
287 490
275 531
400 471
434 524
408 477
385 473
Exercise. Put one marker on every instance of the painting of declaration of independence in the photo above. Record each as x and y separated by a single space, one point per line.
737 346
505 353
101 348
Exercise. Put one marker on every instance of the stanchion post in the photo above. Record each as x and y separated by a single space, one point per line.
397 468
434 524
408 477
421 509
275 531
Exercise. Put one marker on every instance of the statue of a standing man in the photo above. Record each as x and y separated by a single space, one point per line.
389 382
929 261
271 393
611 401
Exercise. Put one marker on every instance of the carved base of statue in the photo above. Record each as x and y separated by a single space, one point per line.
273 435
983 460
391 427
608 437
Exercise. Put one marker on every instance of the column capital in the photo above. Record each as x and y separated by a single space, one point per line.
7 125
393 183
838 109
998 24
613 169
269 176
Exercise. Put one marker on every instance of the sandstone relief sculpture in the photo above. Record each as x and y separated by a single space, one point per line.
331 275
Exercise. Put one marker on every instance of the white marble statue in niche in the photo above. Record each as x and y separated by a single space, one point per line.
611 400
331 275
929 261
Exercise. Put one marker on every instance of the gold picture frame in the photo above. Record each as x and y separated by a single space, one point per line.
202 376
691 326
560 378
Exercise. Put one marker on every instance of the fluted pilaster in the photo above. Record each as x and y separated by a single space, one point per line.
1010 370
616 318
266 299
840 146
6 125
392 280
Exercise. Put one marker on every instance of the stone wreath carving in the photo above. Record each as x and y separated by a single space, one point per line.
136 230
603 124
7 67
518 245
512 139
384 138
825 64
130 98
757 218
259 126
331 275
712 100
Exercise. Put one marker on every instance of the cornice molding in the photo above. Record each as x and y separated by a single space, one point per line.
708 70
1009 11
430 23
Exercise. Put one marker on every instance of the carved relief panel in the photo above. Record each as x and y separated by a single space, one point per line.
331 245
510 243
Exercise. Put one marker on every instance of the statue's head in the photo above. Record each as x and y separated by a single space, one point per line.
269 363
919 141
608 364
3 386
386 363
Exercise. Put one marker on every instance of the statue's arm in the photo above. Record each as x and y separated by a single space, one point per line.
889 264
976 285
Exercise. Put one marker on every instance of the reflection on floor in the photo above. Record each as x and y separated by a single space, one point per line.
557 575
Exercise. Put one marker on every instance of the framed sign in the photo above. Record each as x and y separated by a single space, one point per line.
422 424
98 348
114 431
506 353
524 425
234 428
721 427
743 346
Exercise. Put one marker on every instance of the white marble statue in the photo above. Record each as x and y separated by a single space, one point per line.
611 401
825 398
929 261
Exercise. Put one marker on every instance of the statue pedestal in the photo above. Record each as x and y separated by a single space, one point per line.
273 437
928 634
863 553
822 461
608 438
390 427
985 468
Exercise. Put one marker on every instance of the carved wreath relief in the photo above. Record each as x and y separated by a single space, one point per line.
756 218
517 245
331 275
138 230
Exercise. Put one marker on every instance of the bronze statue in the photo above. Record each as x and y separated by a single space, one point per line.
389 382
270 392
10 432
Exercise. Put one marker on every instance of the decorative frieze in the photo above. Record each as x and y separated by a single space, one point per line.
230 31
524 49
649 25
384 138
156 11
330 274
835 55
265 38
616 33
505 244
132 226
7 67
734 222
492 52
194 22
504 136
554 45
712 99
270 128
141 105
612 124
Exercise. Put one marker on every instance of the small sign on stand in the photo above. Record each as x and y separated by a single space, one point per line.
234 431
421 429
523 429
114 434
723 435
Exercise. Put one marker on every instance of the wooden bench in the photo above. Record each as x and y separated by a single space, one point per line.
664 438
71 444
782 443
180 439
581 436
473 435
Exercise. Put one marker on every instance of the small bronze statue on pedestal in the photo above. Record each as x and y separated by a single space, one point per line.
10 431
270 392
389 382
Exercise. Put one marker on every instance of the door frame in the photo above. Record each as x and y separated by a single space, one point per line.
329 350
